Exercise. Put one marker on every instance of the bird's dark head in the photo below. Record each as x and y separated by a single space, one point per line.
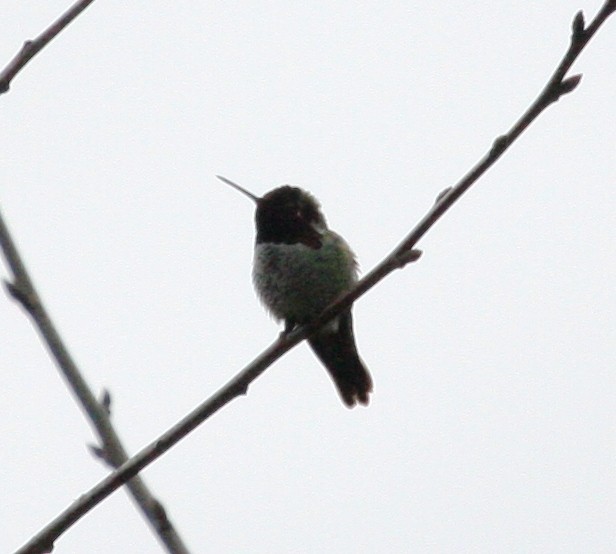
287 215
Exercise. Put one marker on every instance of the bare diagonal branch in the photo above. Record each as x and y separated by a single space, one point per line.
557 86
31 48
23 290
111 451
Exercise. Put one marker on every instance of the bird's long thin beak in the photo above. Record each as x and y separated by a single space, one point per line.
253 197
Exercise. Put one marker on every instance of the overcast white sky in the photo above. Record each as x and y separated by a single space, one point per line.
493 422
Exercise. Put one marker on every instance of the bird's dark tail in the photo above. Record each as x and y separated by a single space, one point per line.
337 351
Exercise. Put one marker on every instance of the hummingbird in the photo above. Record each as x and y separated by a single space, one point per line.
301 266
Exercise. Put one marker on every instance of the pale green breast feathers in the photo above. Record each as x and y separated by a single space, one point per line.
296 282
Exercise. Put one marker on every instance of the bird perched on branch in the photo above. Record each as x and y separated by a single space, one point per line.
300 267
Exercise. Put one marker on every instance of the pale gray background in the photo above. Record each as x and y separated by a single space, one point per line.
493 421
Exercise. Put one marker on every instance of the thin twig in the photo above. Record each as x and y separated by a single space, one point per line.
404 253
111 451
31 48
22 289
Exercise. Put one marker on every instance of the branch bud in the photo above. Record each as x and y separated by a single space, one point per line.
568 84
105 401
578 26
